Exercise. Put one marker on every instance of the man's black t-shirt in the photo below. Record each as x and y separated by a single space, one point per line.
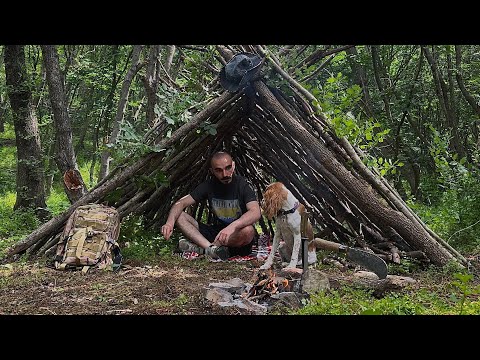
228 201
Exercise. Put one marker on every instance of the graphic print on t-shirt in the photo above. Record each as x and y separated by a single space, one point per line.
226 210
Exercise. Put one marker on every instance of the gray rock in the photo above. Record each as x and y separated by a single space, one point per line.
217 295
315 281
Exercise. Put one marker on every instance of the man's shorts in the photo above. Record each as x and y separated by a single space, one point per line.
211 231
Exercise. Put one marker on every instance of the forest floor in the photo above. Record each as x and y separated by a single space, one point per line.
173 286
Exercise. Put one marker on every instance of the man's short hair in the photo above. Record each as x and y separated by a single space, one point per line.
218 155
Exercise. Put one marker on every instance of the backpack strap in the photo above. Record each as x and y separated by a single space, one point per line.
81 235
60 255
102 244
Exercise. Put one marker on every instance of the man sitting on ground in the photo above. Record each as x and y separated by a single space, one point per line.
235 211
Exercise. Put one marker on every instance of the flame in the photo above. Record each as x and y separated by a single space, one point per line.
272 286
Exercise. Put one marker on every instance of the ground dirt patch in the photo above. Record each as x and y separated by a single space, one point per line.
172 286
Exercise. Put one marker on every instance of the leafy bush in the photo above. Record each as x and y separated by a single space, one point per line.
140 243
464 289
450 202
455 213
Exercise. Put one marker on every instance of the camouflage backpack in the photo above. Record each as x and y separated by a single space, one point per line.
89 239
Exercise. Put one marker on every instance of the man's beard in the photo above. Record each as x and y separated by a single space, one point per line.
226 179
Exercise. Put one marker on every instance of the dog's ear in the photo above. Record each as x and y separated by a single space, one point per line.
273 199
265 205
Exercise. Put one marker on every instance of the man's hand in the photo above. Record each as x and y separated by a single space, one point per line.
223 236
167 230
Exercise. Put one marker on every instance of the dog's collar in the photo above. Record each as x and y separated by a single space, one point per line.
291 211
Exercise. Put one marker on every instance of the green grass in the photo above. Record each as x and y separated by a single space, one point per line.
351 301
439 291
14 225
57 202
8 159
179 301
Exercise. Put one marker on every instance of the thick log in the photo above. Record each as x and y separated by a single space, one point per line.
368 280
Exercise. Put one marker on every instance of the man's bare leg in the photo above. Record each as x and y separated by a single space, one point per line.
189 227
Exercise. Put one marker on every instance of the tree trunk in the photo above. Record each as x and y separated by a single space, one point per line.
360 78
466 94
169 60
105 115
50 166
65 155
446 103
30 181
122 103
150 82
461 84
3 111
380 73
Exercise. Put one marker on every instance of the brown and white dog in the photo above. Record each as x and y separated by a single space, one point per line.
280 203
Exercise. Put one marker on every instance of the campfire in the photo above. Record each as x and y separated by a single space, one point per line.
268 283
269 290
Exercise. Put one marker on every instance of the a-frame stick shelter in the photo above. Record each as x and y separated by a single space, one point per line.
271 136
